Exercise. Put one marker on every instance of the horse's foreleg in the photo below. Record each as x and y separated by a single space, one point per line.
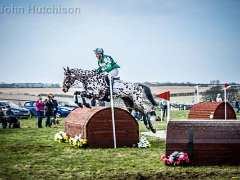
75 99
147 121
77 92
75 96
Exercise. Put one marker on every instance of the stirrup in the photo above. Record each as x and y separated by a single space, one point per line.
116 78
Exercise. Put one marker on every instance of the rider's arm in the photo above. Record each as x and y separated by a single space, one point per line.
99 69
109 61
109 68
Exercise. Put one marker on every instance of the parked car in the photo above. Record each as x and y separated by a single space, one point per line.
63 111
67 104
19 112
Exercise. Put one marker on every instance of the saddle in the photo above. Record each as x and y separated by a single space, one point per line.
113 79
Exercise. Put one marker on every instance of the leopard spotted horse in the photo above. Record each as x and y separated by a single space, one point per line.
94 83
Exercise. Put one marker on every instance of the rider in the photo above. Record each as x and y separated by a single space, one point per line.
106 64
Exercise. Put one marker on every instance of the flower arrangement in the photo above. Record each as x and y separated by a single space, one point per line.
144 143
61 137
176 158
76 142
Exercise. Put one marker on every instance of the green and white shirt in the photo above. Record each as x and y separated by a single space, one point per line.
106 64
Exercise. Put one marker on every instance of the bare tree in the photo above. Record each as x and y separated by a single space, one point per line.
211 94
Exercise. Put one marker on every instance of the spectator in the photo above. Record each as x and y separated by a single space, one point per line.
101 103
237 105
12 120
19 104
55 109
3 119
49 106
164 108
219 99
137 115
93 102
40 110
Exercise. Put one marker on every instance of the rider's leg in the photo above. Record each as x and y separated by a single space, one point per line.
112 74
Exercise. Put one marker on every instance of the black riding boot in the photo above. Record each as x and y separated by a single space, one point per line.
107 80
108 87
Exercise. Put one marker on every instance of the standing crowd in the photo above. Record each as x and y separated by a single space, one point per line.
49 108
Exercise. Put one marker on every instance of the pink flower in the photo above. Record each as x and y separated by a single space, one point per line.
176 163
165 160
163 156
177 158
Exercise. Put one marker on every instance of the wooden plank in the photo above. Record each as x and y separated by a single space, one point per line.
203 147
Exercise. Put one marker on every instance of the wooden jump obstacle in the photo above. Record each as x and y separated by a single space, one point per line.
95 125
211 110
207 142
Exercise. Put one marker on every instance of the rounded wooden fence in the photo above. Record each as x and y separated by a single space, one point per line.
211 110
95 125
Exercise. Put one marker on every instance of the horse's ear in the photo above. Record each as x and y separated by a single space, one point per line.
64 69
68 69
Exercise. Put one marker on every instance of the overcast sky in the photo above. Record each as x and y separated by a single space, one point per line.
157 41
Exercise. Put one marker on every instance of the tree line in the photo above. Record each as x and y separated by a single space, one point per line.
29 85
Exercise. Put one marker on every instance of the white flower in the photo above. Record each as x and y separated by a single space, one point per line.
144 143
57 136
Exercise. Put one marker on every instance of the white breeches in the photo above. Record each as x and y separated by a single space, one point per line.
113 73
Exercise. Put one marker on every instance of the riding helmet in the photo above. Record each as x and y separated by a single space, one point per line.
99 50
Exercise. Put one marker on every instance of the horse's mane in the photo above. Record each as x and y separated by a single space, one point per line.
88 73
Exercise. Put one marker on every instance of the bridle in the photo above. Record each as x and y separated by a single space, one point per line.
69 80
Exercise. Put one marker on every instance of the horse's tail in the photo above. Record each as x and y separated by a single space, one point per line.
148 94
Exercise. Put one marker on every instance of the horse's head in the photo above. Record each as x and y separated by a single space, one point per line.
69 79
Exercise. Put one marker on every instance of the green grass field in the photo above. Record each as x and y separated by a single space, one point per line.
32 153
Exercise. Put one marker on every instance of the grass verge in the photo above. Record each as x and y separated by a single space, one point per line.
31 153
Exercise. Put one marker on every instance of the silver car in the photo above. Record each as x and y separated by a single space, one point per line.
19 112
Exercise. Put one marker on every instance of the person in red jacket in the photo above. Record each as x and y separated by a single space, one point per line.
40 110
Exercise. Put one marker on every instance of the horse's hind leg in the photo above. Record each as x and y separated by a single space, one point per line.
128 103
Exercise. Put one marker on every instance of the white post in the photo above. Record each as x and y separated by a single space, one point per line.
161 115
168 111
225 100
112 109
197 95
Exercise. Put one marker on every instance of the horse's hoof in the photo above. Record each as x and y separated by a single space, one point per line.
154 131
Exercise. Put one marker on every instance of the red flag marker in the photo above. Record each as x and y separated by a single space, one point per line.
226 85
165 95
